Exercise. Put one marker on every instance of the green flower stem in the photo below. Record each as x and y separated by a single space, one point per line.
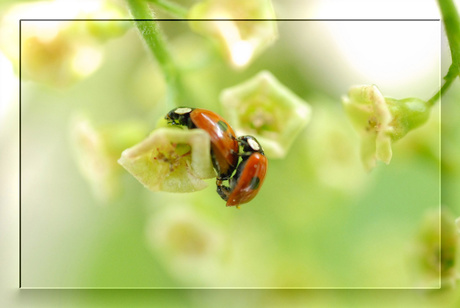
451 21
445 86
173 8
452 24
156 42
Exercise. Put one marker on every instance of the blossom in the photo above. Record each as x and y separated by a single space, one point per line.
96 150
332 167
171 159
269 111
241 41
59 50
189 245
436 255
381 120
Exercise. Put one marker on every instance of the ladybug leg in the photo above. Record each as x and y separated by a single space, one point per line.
216 166
245 154
222 190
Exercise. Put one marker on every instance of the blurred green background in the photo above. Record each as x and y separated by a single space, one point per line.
319 221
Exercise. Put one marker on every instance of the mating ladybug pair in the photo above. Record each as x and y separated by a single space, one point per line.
244 185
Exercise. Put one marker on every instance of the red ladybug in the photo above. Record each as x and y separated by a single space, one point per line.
224 145
249 176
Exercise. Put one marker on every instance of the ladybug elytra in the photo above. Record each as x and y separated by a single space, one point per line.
226 149
249 176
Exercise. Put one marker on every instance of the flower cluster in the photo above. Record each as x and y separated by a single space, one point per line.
176 160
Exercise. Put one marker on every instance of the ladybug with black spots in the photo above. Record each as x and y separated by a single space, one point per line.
224 144
249 176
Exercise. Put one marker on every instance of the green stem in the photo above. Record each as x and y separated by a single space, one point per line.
156 42
441 91
173 8
452 25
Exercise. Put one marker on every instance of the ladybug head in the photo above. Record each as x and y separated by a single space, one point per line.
179 116
250 144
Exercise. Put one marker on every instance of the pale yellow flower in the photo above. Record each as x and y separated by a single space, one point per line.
381 120
171 159
61 51
268 110
240 41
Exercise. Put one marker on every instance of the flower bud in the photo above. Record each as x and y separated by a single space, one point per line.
408 113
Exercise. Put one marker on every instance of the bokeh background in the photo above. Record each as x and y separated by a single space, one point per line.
320 220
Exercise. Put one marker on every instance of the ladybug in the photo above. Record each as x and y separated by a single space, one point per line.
224 145
249 176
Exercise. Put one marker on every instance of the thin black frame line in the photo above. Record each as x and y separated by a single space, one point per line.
20 172
236 19
19 115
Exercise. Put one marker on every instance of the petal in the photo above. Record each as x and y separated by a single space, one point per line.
359 114
383 148
381 110
368 149
93 159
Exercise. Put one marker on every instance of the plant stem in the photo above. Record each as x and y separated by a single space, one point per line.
173 8
150 32
452 25
443 89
